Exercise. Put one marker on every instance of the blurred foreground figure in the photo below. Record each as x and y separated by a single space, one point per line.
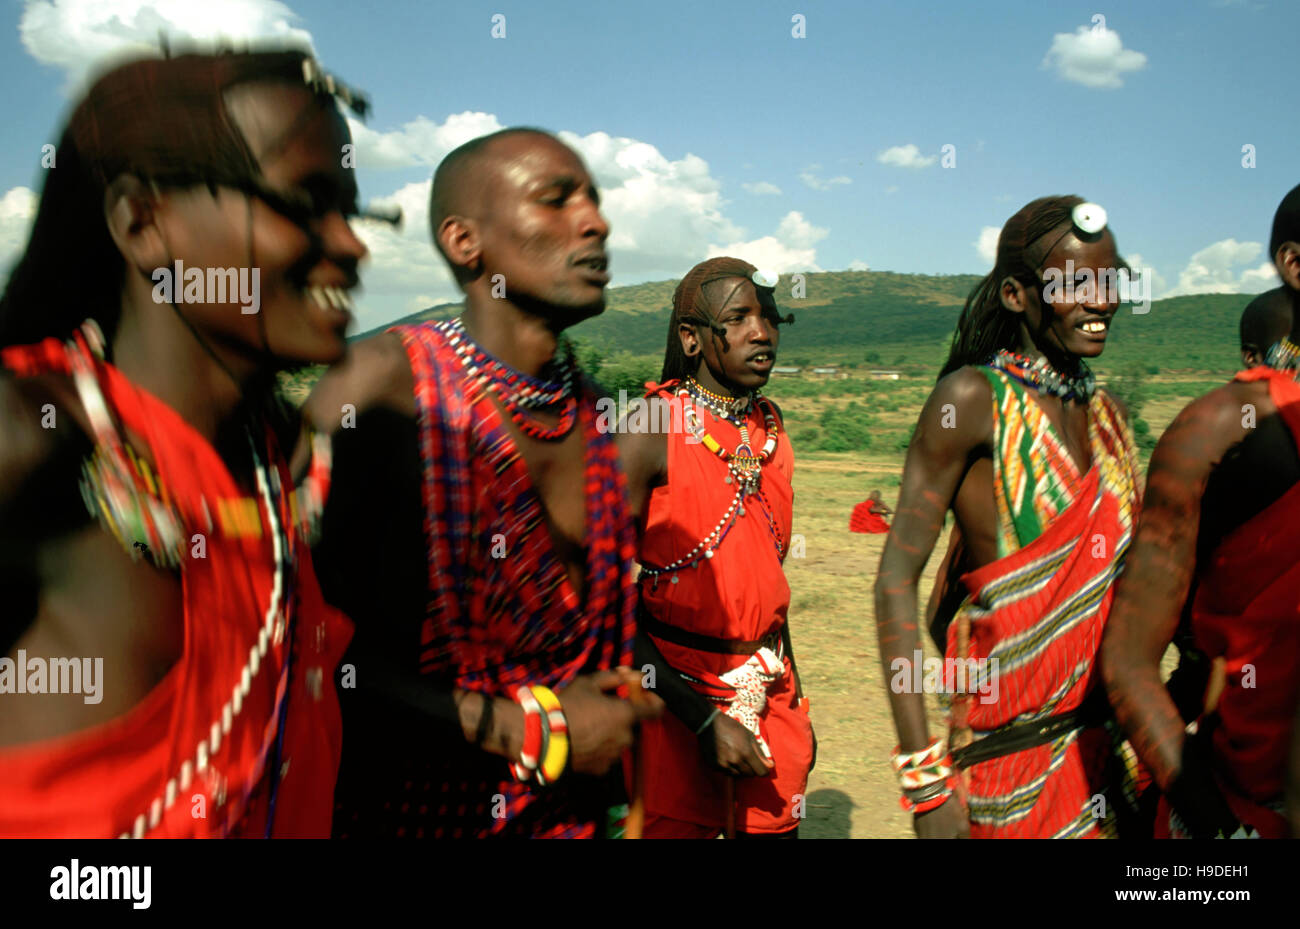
709 471
478 531
155 564
1040 469
1219 539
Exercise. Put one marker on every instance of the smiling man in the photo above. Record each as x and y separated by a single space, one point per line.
1040 469
147 515
713 502
477 530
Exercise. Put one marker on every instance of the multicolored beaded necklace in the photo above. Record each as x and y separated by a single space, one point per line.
520 393
1283 355
133 504
1045 379
732 409
744 466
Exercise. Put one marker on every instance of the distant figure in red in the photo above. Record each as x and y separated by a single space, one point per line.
869 515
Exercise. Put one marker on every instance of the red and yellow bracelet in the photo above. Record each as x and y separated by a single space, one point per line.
534 735
556 754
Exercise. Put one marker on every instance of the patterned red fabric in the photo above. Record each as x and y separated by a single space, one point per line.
128 776
739 593
497 622
1247 611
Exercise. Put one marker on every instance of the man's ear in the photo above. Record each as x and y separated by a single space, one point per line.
690 339
1013 295
131 210
1287 262
461 242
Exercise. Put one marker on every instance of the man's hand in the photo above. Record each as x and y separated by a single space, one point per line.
602 725
948 821
731 748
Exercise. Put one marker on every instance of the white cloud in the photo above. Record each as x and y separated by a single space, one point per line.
816 182
891 189
905 156
791 249
1157 286
419 142
81 36
857 264
987 244
1213 270
1093 56
761 188
17 209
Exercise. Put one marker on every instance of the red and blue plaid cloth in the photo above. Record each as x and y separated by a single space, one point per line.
501 609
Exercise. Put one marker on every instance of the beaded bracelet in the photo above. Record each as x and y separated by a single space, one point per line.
556 754
532 749
920 769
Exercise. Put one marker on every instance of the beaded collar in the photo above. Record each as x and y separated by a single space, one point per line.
520 393
1284 355
1045 379
732 409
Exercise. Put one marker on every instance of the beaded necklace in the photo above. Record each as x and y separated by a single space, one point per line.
732 409
520 393
1284 355
744 467
133 503
1045 379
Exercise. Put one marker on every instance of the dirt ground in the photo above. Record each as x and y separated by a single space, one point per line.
852 793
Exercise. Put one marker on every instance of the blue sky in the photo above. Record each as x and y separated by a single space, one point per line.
692 114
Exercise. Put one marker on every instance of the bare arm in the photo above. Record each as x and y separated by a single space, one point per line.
1158 573
955 421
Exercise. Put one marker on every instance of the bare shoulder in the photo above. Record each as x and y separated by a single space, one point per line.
1211 424
375 372
958 411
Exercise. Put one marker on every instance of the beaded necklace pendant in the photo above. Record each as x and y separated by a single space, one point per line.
1045 379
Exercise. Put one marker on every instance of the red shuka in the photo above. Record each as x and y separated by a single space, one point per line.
1247 611
141 773
741 594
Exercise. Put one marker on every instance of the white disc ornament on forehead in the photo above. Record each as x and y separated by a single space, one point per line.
1089 218
767 279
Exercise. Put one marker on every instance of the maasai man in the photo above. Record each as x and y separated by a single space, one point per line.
1040 471
1265 321
713 501
1223 497
147 514
869 515
478 528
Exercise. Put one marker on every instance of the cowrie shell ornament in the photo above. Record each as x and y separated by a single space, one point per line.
1089 218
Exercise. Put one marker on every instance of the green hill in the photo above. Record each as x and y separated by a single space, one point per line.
905 320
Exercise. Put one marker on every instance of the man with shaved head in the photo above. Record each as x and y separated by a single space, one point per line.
478 530
1218 540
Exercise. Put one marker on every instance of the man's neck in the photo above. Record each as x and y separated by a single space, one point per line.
1062 361
158 352
711 382
524 341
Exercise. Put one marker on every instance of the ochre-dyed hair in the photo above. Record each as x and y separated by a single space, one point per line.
163 120
691 305
985 325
